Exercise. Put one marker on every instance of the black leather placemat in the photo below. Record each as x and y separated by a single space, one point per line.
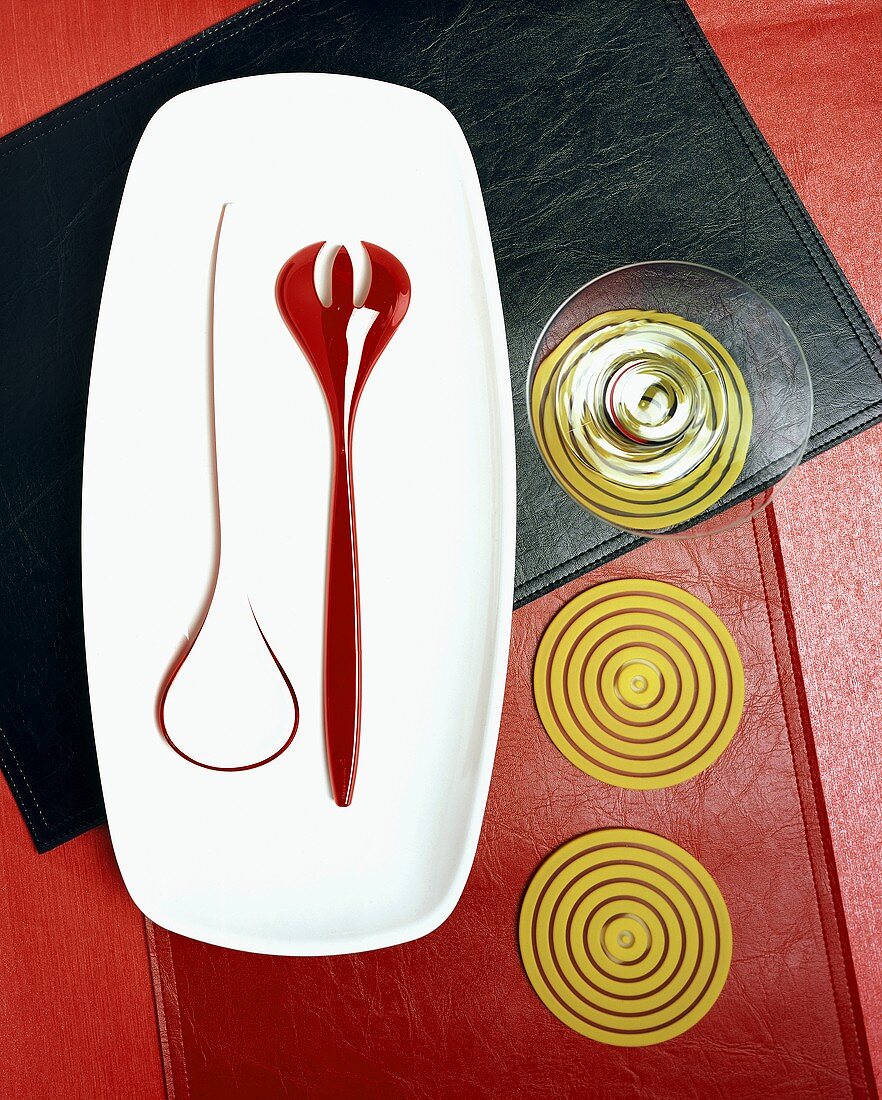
603 133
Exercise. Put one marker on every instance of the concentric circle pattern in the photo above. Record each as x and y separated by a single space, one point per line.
625 937
643 417
639 684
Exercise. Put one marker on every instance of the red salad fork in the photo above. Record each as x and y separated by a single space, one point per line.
321 333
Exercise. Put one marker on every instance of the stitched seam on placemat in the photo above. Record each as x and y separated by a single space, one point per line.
788 200
21 801
862 416
159 1010
174 981
802 810
152 934
86 819
528 595
245 19
538 578
48 833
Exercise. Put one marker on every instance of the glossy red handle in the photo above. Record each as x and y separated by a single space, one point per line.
342 634
321 332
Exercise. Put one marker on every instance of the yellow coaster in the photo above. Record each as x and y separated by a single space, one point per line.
665 480
639 684
625 937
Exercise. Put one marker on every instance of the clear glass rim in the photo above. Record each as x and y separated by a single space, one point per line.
693 530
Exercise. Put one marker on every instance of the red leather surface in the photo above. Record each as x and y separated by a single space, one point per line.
77 1017
453 1015
53 50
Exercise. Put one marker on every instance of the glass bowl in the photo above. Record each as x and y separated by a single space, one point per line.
667 394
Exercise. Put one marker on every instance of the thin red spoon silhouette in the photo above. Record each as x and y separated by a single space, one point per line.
224 580
321 333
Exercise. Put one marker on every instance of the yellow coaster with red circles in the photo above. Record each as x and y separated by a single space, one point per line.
639 683
625 937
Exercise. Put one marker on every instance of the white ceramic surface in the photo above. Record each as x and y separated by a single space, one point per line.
264 860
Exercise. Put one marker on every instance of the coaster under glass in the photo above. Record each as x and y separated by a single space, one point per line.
666 394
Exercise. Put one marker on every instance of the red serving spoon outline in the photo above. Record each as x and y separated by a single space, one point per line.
189 642
176 667
320 331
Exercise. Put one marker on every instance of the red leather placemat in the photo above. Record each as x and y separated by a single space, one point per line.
831 543
453 1014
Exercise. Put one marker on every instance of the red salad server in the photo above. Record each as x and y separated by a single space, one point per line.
320 331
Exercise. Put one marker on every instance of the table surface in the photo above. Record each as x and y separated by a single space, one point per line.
77 1002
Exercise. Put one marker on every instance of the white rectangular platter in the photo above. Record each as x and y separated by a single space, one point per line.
263 860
